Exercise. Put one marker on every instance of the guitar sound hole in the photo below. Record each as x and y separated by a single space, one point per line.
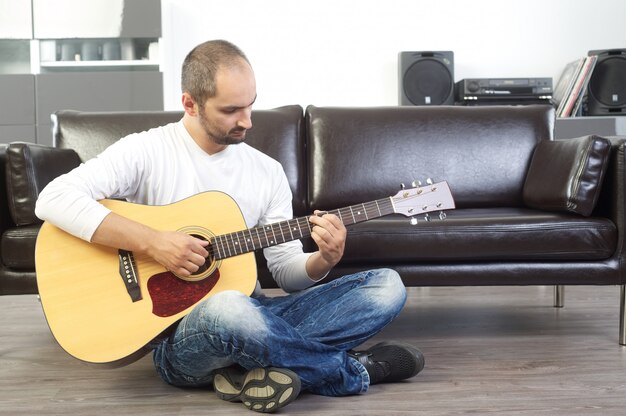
209 259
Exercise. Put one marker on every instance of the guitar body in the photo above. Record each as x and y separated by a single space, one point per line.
86 301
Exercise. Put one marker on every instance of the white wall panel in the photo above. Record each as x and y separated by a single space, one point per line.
344 52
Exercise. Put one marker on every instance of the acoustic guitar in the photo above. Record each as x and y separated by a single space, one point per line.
105 305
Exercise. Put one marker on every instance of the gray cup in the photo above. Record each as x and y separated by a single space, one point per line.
68 51
111 50
90 51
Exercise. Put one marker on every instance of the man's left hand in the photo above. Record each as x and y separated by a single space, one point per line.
329 234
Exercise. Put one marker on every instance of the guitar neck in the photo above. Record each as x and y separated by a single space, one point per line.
240 242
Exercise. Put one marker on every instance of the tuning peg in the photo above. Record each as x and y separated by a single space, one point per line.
416 183
402 186
413 221
442 215
427 217
429 181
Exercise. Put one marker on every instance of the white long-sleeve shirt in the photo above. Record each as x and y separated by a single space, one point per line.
165 165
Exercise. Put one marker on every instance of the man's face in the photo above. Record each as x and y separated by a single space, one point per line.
225 118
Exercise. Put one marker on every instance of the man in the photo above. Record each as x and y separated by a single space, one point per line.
255 349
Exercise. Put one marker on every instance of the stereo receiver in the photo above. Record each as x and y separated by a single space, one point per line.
473 89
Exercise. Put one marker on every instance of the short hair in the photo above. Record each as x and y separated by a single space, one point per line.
201 65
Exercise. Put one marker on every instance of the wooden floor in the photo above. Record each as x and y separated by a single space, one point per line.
489 351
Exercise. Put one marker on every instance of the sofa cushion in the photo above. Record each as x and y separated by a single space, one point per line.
278 132
89 133
29 168
18 247
17 282
566 175
358 155
482 235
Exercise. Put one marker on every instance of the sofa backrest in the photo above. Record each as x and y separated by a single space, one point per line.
89 133
277 132
362 154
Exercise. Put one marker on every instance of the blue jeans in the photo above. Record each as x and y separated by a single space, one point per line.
307 332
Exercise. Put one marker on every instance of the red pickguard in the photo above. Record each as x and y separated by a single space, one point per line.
171 295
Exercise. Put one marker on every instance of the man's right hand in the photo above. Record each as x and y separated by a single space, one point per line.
178 252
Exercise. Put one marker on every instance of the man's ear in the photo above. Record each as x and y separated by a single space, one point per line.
189 105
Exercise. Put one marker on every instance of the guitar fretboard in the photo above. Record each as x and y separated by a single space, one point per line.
233 244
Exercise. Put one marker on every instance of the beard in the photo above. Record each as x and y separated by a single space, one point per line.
233 136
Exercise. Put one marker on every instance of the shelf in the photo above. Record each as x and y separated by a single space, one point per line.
91 64
569 127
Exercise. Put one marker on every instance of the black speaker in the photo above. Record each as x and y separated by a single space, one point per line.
606 93
426 78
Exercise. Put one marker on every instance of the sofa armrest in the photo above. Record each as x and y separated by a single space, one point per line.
5 215
612 201
29 168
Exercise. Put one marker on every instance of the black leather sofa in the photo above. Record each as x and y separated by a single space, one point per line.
530 210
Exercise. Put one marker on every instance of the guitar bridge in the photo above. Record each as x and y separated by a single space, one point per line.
128 272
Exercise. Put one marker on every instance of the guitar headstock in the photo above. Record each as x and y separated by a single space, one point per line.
423 199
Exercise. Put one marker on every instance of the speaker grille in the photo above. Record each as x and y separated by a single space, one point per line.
426 78
608 81
427 82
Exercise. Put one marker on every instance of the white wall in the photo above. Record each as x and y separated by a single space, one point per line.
345 52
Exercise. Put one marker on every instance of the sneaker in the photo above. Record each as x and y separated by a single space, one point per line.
263 390
388 361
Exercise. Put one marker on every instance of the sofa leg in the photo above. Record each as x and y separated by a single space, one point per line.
622 311
559 296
